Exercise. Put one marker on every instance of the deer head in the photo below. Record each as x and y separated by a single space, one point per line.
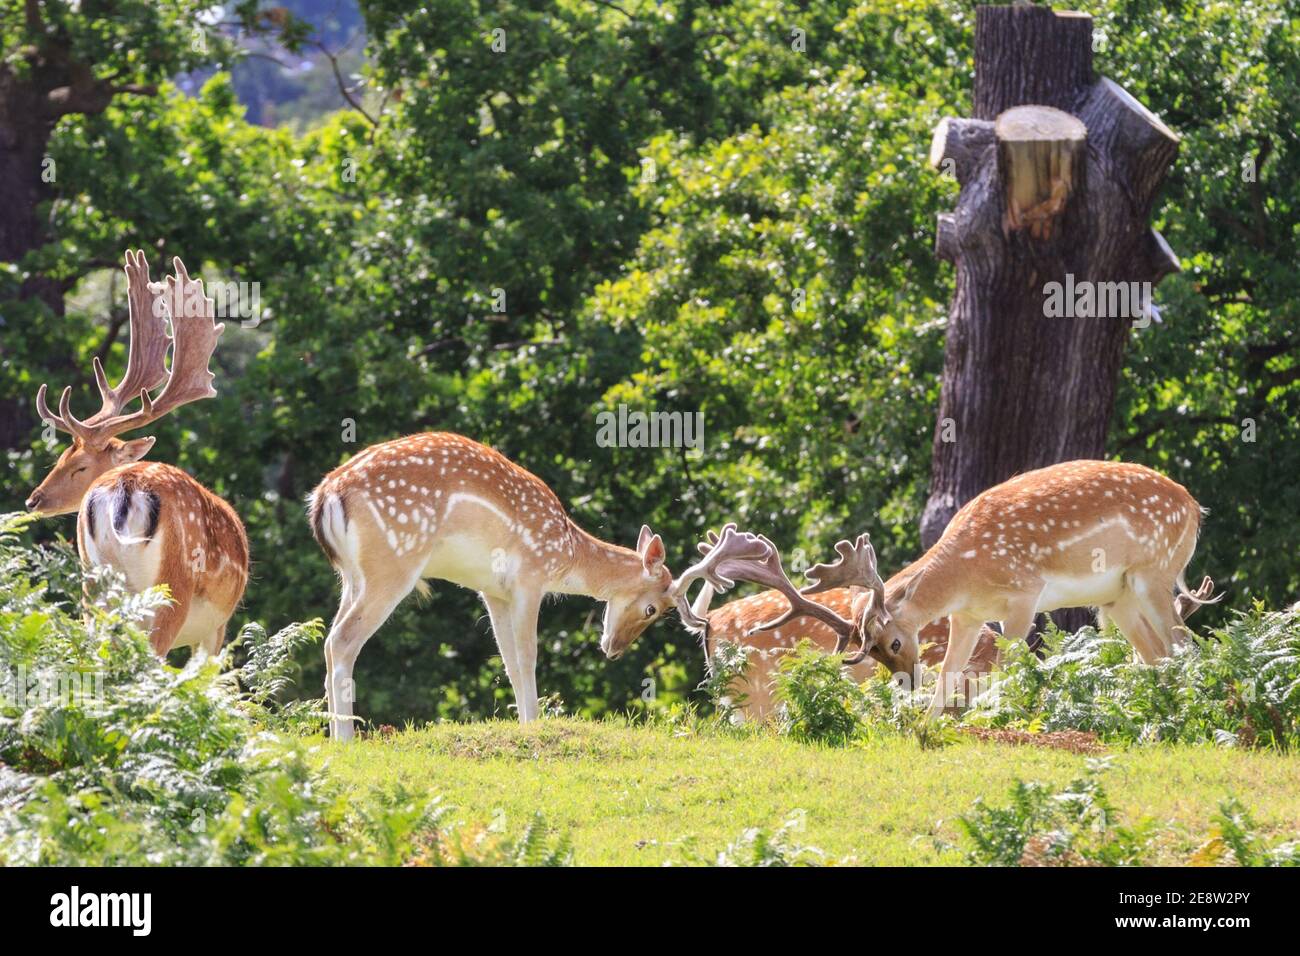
95 446
641 599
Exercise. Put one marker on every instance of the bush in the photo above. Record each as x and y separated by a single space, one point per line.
760 847
726 669
1078 826
109 756
821 702
1240 686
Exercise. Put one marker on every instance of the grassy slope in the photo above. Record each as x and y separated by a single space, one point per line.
622 793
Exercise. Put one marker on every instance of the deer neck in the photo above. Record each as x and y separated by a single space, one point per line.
599 569
928 598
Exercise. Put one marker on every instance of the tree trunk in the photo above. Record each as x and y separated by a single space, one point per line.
50 84
1058 174
24 137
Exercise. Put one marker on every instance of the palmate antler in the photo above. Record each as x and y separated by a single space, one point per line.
194 338
741 556
721 552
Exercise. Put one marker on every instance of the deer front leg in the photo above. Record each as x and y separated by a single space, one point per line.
523 621
963 632
503 629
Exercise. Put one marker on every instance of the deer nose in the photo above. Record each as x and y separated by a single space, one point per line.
35 501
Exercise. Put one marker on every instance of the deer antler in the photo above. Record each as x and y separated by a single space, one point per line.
721 552
194 338
1185 605
741 556
856 567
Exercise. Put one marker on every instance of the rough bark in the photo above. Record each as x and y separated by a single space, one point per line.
1063 189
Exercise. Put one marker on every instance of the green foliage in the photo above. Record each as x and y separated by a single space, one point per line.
728 665
821 702
684 213
1077 826
1236 839
1237 686
536 846
108 756
759 847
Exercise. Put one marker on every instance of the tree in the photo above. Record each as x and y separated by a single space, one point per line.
66 58
1059 172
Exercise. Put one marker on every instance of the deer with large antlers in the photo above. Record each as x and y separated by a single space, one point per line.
438 505
739 622
833 610
1110 535
150 521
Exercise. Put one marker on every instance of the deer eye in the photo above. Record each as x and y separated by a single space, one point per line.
896 646
77 471
651 610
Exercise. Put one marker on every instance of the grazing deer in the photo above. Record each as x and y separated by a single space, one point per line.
736 623
1106 534
438 505
1109 535
152 522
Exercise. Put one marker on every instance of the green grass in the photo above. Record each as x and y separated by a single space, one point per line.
625 794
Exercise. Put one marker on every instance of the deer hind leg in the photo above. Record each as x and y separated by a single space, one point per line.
169 620
500 614
345 605
1128 616
370 606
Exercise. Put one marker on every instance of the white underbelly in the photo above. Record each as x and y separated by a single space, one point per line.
1087 590
463 560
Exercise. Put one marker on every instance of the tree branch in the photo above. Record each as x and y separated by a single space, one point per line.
338 78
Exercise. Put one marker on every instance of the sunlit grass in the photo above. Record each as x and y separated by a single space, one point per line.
626 795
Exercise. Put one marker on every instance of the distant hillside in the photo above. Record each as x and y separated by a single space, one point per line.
280 88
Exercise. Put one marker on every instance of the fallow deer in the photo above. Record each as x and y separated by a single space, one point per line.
736 623
1109 535
1106 534
152 522
438 505
830 610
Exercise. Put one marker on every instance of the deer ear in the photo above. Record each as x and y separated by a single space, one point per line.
651 548
132 450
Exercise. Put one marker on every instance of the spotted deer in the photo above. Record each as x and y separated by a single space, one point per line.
1102 534
1110 535
831 610
736 623
152 522
438 505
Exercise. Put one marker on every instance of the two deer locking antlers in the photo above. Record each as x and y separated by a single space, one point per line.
742 556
